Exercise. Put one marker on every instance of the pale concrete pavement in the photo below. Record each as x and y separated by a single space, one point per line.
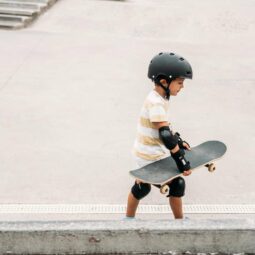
72 86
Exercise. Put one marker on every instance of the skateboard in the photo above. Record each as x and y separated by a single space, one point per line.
160 173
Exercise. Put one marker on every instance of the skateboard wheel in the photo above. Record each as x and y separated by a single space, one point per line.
164 189
211 167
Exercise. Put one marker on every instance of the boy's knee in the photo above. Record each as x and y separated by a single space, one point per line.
141 190
177 187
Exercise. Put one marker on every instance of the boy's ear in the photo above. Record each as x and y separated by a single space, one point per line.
163 82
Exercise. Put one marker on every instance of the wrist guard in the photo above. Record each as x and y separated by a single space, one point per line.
180 142
181 161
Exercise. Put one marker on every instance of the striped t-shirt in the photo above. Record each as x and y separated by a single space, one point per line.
148 147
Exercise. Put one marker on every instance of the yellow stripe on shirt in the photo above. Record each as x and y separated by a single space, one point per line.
147 140
148 156
147 123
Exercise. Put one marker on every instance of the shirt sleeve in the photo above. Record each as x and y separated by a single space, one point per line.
157 113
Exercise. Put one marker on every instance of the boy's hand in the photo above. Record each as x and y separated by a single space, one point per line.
186 173
186 146
138 181
182 144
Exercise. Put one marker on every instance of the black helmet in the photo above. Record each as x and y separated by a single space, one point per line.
170 66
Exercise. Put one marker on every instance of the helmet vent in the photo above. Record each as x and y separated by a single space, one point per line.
160 53
188 72
181 59
172 54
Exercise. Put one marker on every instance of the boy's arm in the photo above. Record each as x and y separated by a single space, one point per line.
175 151
159 125
184 144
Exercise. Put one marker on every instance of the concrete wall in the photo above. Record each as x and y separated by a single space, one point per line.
127 236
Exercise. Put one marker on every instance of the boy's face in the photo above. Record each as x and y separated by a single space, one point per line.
176 85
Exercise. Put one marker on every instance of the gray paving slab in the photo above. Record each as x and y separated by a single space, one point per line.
72 84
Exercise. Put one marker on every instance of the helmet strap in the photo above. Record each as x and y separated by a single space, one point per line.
166 89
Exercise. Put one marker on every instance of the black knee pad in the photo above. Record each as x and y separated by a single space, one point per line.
177 187
141 190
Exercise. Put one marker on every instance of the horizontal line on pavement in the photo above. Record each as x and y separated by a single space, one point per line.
118 208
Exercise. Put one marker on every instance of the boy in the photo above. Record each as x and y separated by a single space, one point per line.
154 139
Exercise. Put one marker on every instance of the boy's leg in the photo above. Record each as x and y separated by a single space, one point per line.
138 191
132 205
176 206
177 190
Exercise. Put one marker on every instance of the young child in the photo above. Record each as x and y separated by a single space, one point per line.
155 140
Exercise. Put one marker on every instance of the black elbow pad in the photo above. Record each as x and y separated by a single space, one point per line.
167 137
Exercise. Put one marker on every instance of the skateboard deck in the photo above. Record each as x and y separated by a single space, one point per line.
163 171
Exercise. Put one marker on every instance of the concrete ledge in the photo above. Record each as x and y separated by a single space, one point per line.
32 1
10 24
21 5
18 11
15 18
26 8
14 21
127 236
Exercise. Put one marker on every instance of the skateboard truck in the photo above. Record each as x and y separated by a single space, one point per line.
164 189
211 167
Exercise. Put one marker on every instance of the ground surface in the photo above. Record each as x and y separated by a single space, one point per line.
72 84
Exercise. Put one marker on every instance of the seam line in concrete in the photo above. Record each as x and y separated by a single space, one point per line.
120 208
